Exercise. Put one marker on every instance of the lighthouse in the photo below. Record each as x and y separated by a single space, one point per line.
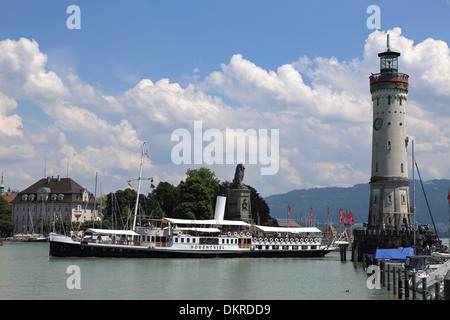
389 205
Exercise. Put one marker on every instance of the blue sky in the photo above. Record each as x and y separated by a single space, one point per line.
121 40
230 64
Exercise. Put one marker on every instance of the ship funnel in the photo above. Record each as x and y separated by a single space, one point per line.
220 208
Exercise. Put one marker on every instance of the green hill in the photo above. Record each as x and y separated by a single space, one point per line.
356 199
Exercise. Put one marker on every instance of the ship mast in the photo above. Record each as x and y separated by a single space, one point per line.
139 187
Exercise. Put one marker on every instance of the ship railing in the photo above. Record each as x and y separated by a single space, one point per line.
288 240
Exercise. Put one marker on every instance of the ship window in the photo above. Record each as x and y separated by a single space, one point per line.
187 240
176 240
193 240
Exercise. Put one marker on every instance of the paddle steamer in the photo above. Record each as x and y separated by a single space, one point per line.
180 238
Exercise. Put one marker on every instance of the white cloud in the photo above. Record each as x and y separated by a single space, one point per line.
321 106
23 72
10 126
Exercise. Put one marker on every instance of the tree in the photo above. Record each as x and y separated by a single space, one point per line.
196 195
6 226
167 196
260 208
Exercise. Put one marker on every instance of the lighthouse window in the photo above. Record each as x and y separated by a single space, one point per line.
401 99
402 168
378 101
389 145
389 99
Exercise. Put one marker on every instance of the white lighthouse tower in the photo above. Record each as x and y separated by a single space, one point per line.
389 206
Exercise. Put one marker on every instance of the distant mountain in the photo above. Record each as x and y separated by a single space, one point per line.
356 198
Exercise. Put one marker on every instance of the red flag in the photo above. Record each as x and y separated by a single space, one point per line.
289 210
343 218
328 215
311 215
350 218
340 215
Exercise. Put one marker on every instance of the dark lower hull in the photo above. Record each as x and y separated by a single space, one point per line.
62 249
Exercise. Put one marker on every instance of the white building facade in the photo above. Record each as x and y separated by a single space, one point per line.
48 200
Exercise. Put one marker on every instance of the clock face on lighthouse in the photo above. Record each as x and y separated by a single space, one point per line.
377 124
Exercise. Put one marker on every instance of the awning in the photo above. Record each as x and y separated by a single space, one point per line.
394 254
286 229
108 231
206 222
215 230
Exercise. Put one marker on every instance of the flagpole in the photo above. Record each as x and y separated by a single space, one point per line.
139 187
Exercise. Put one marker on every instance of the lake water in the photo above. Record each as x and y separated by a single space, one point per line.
27 272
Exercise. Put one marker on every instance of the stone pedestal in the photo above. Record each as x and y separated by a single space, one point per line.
238 205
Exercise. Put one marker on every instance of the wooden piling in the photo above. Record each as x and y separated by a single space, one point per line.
406 285
343 252
437 290
400 285
447 287
394 282
424 288
389 276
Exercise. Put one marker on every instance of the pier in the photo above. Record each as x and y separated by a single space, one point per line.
405 284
